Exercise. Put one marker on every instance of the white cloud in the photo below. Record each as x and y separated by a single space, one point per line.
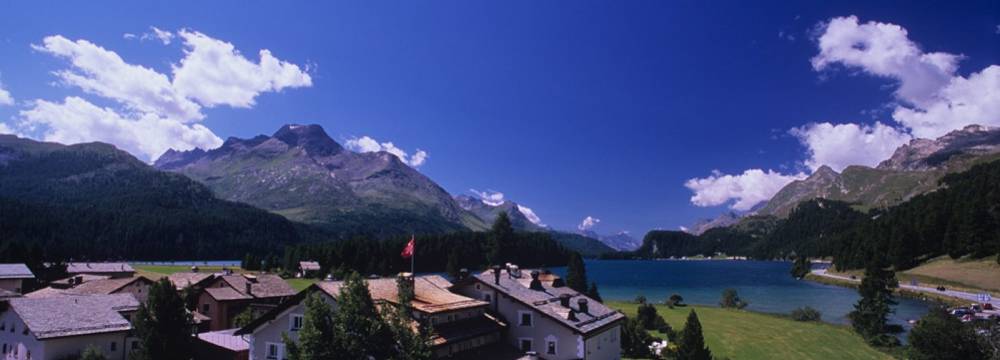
933 98
841 145
102 72
530 214
744 190
214 73
683 228
368 144
144 134
157 112
588 223
4 129
128 36
489 197
5 97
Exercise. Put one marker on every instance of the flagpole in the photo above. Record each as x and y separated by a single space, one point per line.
413 256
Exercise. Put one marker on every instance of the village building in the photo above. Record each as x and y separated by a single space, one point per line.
61 327
545 316
221 345
109 269
12 277
193 279
226 296
460 324
136 286
308 268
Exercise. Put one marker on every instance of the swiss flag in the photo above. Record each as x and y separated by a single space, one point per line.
408 250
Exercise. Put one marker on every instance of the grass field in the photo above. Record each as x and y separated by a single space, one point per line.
977 274
742 335
299 284
158 271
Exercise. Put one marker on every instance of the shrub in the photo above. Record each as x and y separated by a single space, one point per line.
664 328
640 299
806 314
674 300
730 299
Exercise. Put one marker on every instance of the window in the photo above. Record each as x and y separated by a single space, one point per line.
478 287
525 317
204 308
488 298
525 344
550 348
296 322
135 345
114 346
275 351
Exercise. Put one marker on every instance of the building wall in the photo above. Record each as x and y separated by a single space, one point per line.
450 316
15 285
59 348
271 332
139 289
568 345
221 312
605 345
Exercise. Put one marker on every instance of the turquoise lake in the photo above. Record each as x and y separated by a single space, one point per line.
767 285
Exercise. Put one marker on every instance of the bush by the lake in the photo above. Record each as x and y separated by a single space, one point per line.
674 300
640 299
806 314
732 300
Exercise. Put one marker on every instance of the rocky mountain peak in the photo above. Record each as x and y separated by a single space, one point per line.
312 138
926 154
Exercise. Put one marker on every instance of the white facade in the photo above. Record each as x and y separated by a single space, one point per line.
531 330
266 342
18 345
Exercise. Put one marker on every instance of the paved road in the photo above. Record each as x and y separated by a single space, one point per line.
971 297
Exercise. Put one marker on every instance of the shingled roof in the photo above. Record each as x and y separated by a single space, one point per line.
185 279
309 266
261 285
226 294
15 271
431 293
97 267
63 316
92 287
547 302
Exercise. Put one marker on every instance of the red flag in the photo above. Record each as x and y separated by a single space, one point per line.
408 250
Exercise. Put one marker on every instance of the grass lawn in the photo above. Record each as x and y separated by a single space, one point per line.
977 274
300 284
158 271
738 335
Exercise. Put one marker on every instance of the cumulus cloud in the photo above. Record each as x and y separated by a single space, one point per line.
841 145
156 112
933 99
155 33
588 223
744 190
368 144
214 73
489 197
530 214
76 120
4 129
5 97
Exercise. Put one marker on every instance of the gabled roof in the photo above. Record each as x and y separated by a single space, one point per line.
431 294
98 267
309 265
547 302
83 278
63 316
15 271
261 285
185 279
225 339
226 294
93 287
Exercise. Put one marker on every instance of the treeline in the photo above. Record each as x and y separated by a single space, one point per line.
962 218
434 253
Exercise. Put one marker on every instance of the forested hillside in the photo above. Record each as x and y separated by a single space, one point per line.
961 218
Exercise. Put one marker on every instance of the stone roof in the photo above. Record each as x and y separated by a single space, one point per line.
98 267
431 294
309 265
226 294
225 339
261 285
185 279
7 294
455 331
45 292
62 316
83 278
15 271
105 286
547 301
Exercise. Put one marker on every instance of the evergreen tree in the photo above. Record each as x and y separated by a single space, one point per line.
316 337
871 313
801 267
501 238
244 318
635 340
359 331
454 265
576 273
92 353
593 293
692 343
940 336
163 325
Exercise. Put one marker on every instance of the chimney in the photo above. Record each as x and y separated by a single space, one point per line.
463 273
249 288
194 268
564 300
582 303
78 280
496 274
535 283
572 316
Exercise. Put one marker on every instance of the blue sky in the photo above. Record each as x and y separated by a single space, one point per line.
621 111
